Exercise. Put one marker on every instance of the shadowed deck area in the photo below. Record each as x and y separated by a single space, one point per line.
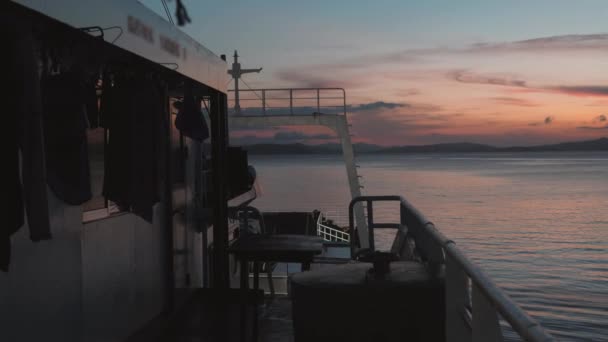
276 322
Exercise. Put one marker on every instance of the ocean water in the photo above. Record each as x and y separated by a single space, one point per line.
537 223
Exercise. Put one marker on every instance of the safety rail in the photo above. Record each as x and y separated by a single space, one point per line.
474 303
290 101
329 233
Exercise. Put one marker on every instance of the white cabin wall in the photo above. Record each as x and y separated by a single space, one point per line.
41 295
94 282
195 241
188 240
123 275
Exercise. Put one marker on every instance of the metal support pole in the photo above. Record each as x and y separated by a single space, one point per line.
236 73
341 129
237 101
291 101
264 102
219 148
168 211
318 101
370 225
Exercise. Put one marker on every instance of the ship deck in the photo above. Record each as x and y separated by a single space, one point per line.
276 321
196 317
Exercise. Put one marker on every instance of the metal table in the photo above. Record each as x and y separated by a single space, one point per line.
279 248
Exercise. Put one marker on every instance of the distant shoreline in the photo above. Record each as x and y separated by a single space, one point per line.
303 149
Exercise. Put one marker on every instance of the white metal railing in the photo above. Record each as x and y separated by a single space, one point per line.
473 303
290 101
329 233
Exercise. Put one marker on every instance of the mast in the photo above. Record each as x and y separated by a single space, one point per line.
236 73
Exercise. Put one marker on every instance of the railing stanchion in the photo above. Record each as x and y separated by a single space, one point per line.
264 101
486 327
291 101
318 101
456 303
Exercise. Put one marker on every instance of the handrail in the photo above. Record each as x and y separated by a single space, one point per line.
327 232
279 89
416 223
290 102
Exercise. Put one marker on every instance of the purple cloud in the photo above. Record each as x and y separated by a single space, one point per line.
548 120
309 80
571 42
282 137
593 127
300 136
585 90
465 76
378 105
600 118
513 101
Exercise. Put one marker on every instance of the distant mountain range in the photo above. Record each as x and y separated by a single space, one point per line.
588 145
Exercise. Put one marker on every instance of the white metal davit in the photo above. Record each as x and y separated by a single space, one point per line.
299 107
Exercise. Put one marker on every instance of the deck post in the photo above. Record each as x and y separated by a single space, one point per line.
341 128
219 148
168 209
456 288
485 319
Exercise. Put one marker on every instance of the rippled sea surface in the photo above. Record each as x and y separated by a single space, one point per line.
536 222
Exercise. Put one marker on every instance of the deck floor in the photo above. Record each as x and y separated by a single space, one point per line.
276 324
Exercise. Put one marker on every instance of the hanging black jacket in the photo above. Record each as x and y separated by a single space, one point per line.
65 126
189 119
147 115
22 107
132 110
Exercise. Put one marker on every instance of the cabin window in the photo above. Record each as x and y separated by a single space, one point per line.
98 206
96 141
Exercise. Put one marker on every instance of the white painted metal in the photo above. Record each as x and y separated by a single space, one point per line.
336 122
97 281
41 295
103 279
144 33
489 297
122 275
329 233
292 101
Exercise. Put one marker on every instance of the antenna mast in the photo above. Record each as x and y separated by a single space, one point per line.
236 73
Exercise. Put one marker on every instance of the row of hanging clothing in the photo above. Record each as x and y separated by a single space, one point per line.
55 95
24 141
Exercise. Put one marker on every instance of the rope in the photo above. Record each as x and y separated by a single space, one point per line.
167 11
256 94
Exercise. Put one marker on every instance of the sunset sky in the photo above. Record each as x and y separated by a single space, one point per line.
497 72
